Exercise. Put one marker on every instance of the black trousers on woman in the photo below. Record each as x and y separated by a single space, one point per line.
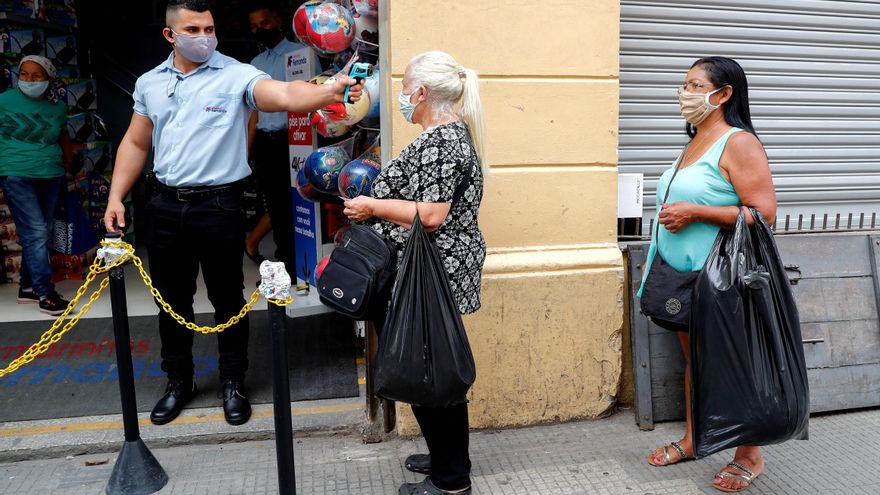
446 432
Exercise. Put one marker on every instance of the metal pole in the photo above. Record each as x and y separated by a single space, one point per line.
281 402
123 354
136 470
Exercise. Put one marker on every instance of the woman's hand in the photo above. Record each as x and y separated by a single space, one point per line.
359 209
678 215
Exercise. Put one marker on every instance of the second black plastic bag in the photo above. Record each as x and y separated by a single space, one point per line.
747 359
424 357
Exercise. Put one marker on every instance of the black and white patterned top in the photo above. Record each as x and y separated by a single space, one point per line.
429 170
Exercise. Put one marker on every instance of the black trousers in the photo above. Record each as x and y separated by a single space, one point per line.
446 432
271 156
182 237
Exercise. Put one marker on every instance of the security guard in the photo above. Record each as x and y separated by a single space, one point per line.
268 133
193 110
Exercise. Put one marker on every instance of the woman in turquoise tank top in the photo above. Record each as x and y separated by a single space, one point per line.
723 167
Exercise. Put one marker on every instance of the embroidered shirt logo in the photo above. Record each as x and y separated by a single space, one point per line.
215 109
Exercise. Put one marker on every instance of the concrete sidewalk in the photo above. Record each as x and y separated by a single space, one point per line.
605 456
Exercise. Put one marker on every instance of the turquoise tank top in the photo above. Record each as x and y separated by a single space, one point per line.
700 183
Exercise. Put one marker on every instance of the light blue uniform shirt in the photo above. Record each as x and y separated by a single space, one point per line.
199 120
699 183
272 62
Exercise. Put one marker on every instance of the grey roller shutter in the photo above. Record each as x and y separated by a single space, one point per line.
814 87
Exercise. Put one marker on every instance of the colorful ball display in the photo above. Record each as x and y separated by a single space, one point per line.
322 168
328 128
305 188
325 26
371 88
366 34
366 7
356 178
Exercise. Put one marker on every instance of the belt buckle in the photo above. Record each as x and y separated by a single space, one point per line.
182 193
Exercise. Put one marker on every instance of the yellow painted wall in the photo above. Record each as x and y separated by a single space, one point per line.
547 341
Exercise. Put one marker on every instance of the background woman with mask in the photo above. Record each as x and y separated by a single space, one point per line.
723 167
423 180
33 148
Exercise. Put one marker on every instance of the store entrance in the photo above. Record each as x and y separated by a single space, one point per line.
116 42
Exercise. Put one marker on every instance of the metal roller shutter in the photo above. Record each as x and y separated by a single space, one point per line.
814 86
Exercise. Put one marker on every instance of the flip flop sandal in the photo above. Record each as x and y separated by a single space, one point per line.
667 459
748 477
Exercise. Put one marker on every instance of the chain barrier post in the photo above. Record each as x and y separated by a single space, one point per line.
136 470
275 286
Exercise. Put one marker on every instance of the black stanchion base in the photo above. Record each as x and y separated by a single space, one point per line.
136 471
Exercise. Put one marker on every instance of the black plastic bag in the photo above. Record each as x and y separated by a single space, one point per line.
749 378
424 357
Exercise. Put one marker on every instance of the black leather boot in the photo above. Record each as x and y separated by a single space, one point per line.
236 407
177 394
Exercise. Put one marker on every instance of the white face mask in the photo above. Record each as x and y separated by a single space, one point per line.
33 89
196 49
406 106
695 107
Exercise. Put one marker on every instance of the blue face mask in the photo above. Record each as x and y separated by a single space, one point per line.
407 107
33 89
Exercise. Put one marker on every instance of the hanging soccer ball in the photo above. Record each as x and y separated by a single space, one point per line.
305 188
347 114
322 168
328 128
356 178
325 26
325 126
371 88
366 34
366 7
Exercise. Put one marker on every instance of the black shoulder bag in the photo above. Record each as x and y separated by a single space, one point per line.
668 293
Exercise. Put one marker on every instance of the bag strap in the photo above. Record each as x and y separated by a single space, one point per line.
665 197
462 186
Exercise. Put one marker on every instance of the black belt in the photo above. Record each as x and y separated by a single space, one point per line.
186 194
273 134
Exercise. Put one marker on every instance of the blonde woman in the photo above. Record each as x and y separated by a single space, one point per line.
442 97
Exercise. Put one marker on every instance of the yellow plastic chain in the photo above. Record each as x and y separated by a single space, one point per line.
51 336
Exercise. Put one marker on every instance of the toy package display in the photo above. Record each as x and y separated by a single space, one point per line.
81 127
9 237
61 12
91 157
61 50
12 264
5 39
78 94
28 41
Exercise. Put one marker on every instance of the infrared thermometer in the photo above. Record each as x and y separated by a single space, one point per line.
359 72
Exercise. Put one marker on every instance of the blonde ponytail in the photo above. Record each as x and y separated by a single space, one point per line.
448 84
472 115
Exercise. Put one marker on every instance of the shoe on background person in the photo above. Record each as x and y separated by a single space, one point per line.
53 304
27 295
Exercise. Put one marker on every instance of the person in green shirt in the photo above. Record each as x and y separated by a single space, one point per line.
34 147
